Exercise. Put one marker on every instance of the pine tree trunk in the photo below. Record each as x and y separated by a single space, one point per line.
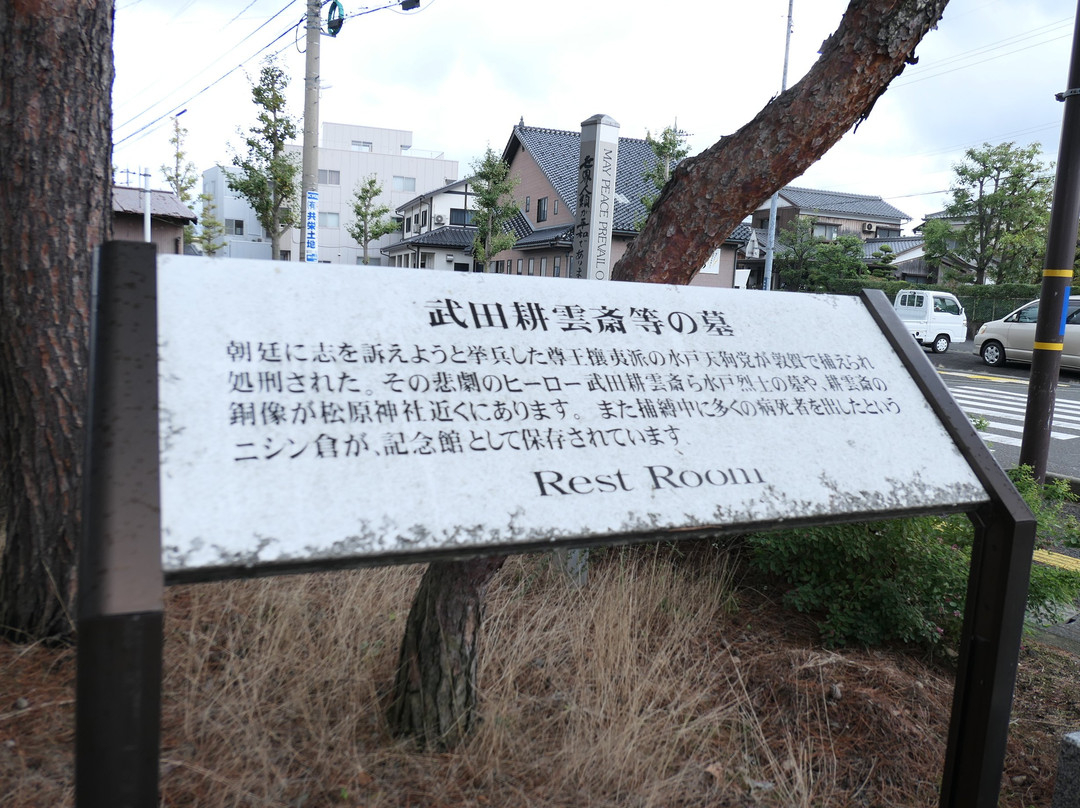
55 155
711 193
434 697
707 197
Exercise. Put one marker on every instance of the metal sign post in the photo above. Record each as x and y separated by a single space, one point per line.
119 621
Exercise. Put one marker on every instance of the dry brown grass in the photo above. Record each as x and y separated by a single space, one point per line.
661 683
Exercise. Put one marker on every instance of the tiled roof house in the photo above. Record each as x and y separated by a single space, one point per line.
544 161
168 215
836 213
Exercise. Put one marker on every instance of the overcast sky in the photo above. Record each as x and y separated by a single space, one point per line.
460 73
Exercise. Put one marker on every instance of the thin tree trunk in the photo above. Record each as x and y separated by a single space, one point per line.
435 690
711 193
55 155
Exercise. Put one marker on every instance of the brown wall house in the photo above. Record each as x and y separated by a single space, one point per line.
168 215
544 161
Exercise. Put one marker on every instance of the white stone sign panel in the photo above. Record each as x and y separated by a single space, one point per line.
313 414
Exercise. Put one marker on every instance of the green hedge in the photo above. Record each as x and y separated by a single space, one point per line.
981 303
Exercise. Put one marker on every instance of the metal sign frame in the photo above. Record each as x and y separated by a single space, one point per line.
121 584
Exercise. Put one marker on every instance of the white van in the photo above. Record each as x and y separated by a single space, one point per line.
935 319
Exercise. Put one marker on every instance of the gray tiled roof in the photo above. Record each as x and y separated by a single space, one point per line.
163 204
841 204
549 235
455 237
898 245
741 233
557 152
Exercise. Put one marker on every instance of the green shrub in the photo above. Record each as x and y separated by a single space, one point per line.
1057 526
905 579
872 582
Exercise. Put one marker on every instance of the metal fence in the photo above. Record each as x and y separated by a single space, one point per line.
984 309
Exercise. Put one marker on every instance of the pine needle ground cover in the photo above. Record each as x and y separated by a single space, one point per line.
674 678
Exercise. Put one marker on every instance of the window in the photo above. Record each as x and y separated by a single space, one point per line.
423 219
557 260
373 260
234 227
555 206
416 221
285 255
408 224
328 177
427 260
460 216
543 261
528 202
530 266
1028 314
541 209
884 232
329 219
946 306
361 145
403 183
829 232
519 266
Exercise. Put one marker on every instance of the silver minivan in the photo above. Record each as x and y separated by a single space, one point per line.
1012 338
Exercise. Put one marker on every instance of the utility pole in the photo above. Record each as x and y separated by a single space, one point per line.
770 243
1057 277
309 236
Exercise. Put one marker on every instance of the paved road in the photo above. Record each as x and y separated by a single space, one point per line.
999 397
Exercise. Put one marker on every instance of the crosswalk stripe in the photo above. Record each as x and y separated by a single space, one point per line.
1008 440
1064 422
1015 428
1000 395
1004 412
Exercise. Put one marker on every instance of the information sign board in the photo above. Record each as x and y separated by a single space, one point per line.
313 416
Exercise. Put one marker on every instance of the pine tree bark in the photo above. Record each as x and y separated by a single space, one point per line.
55 153
434 697
711 193
706 198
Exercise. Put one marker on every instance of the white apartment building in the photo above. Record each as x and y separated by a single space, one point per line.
435 229
347 155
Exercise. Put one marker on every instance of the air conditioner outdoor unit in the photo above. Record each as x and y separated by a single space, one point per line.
869 227
439 218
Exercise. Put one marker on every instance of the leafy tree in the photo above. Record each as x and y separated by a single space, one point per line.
371 221
493 189
1002 194
56 184
881 266
938 243
808 262
181 175
211 234
267 176
668 149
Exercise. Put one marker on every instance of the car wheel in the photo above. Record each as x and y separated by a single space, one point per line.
993 353
941 344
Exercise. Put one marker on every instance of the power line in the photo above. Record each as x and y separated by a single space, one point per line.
209 67
162 117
